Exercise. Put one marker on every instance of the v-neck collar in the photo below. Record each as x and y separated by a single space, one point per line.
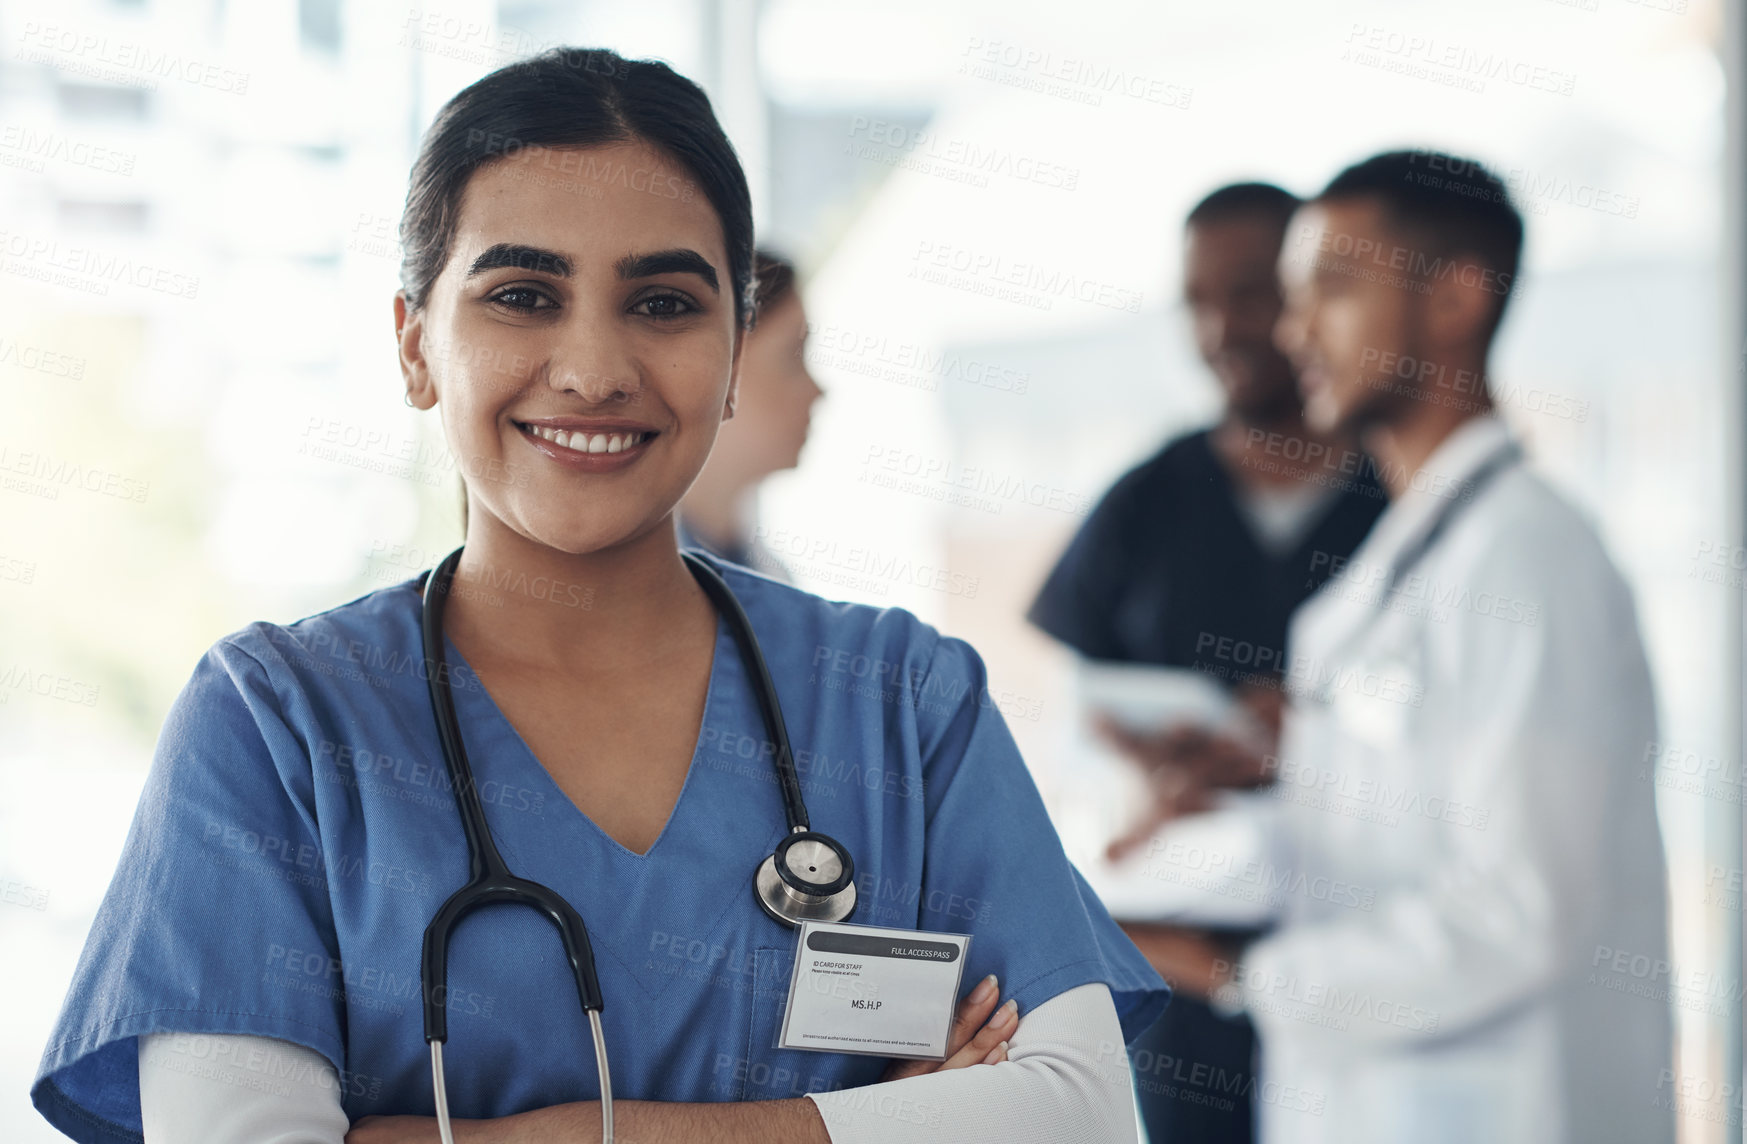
497 733
1231 504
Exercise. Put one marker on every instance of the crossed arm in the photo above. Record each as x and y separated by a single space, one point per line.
1066 1080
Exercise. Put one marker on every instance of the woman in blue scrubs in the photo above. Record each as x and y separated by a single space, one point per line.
575 296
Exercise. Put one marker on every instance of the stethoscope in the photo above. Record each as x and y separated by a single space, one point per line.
810 877
1465 493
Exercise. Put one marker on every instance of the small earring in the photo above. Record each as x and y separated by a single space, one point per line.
407 397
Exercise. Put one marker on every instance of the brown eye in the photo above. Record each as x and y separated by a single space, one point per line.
524 299
664 306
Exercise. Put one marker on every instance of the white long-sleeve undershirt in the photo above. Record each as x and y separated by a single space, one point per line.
1066 1081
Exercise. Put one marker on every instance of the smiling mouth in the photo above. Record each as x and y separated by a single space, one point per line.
581 442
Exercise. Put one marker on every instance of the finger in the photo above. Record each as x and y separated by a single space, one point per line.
1127 843
966 1020
999 1028
972 1012
996 1054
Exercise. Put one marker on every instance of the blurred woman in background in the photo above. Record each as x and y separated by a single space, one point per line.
769 428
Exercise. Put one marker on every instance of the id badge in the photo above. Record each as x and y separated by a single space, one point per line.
871 989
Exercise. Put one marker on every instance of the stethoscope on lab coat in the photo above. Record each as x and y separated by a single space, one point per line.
810 876
1411 555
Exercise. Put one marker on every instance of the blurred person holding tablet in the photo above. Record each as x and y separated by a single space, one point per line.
1210 544
1470 704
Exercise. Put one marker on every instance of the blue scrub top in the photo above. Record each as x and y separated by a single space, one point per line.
297 831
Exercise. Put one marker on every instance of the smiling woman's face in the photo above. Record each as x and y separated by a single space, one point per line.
580 342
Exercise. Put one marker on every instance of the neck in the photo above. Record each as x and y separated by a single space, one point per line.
598 612
1403 444
1273 449
719 512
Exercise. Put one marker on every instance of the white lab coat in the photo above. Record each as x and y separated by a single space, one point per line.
1475 946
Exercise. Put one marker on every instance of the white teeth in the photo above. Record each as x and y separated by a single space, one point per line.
588 443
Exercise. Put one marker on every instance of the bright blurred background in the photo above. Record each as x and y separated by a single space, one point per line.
200 415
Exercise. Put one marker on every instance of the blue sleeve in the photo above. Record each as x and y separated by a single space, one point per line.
221 878
995 867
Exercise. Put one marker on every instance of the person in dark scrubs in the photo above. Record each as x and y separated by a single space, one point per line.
1210 545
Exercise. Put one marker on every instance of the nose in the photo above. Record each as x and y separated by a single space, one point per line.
593 361
1291 330
1215 328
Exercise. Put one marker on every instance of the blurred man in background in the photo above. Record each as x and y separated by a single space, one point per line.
767 431
1215 538
1470 703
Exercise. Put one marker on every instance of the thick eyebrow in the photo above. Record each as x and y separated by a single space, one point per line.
668 262
518 257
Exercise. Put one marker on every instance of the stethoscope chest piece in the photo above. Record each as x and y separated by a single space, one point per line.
810 878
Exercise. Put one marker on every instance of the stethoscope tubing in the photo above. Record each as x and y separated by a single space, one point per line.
490 881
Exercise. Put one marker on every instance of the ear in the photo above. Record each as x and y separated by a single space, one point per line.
409 330
1462 302
733 397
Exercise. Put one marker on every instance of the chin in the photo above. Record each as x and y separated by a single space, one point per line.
1323 413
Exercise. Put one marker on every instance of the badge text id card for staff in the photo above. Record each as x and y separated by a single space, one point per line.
870 989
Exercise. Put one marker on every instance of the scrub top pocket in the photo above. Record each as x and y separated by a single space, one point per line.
766 1072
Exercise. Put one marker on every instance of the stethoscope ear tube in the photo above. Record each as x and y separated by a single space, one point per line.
505 889
490 881
794 806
